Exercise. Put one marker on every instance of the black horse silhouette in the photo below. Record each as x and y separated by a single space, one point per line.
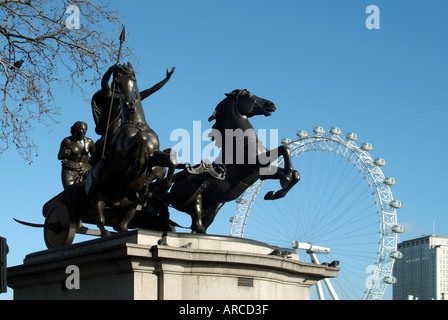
202 191
118 179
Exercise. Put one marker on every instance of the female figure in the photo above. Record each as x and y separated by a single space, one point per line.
107 116
74 155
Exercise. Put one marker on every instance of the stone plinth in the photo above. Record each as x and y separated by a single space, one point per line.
149 265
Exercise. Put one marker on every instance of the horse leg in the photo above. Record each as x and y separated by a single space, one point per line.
166 158
209 213
288 176
269 156
287 181
130 213
196 215
135 147
145 150
98 206
286 153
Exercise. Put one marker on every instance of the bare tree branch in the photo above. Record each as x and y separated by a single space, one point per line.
37 50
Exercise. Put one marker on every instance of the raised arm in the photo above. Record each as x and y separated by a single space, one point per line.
146 93
105 81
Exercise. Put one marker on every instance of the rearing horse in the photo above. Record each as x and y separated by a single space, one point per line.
118 179
242 161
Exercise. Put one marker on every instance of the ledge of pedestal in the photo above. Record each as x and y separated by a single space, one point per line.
145 264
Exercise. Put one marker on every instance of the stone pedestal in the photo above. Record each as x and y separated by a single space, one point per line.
149 265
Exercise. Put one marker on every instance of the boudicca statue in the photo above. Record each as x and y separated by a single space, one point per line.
126 180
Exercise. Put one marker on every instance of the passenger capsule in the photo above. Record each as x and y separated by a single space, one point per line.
336 131
302 134
366 147
234 220
351 136
380 162
240 201
319 130
396 255
390 280
286 141
398 228
390 181
396 204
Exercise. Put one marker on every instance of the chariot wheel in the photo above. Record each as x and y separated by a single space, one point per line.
60 225
342 209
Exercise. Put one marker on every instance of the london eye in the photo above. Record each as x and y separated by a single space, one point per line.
341 212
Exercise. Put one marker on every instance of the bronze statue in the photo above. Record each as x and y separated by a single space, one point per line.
202 194
102 106
134 172
118 178
75 153
130 183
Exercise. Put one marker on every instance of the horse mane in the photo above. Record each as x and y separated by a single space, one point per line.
125 69
219 114
224 111
222 108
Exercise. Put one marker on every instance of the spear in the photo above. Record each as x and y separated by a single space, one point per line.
122 39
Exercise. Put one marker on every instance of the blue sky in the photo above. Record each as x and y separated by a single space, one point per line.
315 59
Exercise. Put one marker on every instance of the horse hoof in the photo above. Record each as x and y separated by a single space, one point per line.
199 230
269 196
105 233
295 177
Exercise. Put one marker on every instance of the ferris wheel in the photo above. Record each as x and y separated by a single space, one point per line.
341 211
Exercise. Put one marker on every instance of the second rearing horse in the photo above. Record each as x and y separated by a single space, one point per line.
118 179
242 161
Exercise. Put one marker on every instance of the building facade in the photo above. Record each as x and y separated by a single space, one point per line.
422 273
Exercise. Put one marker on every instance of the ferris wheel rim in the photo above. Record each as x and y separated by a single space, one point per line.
371 170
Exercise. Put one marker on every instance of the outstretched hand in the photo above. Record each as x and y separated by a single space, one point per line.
169 73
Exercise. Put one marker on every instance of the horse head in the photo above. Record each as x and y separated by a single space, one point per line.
126 83
244 104
234 111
